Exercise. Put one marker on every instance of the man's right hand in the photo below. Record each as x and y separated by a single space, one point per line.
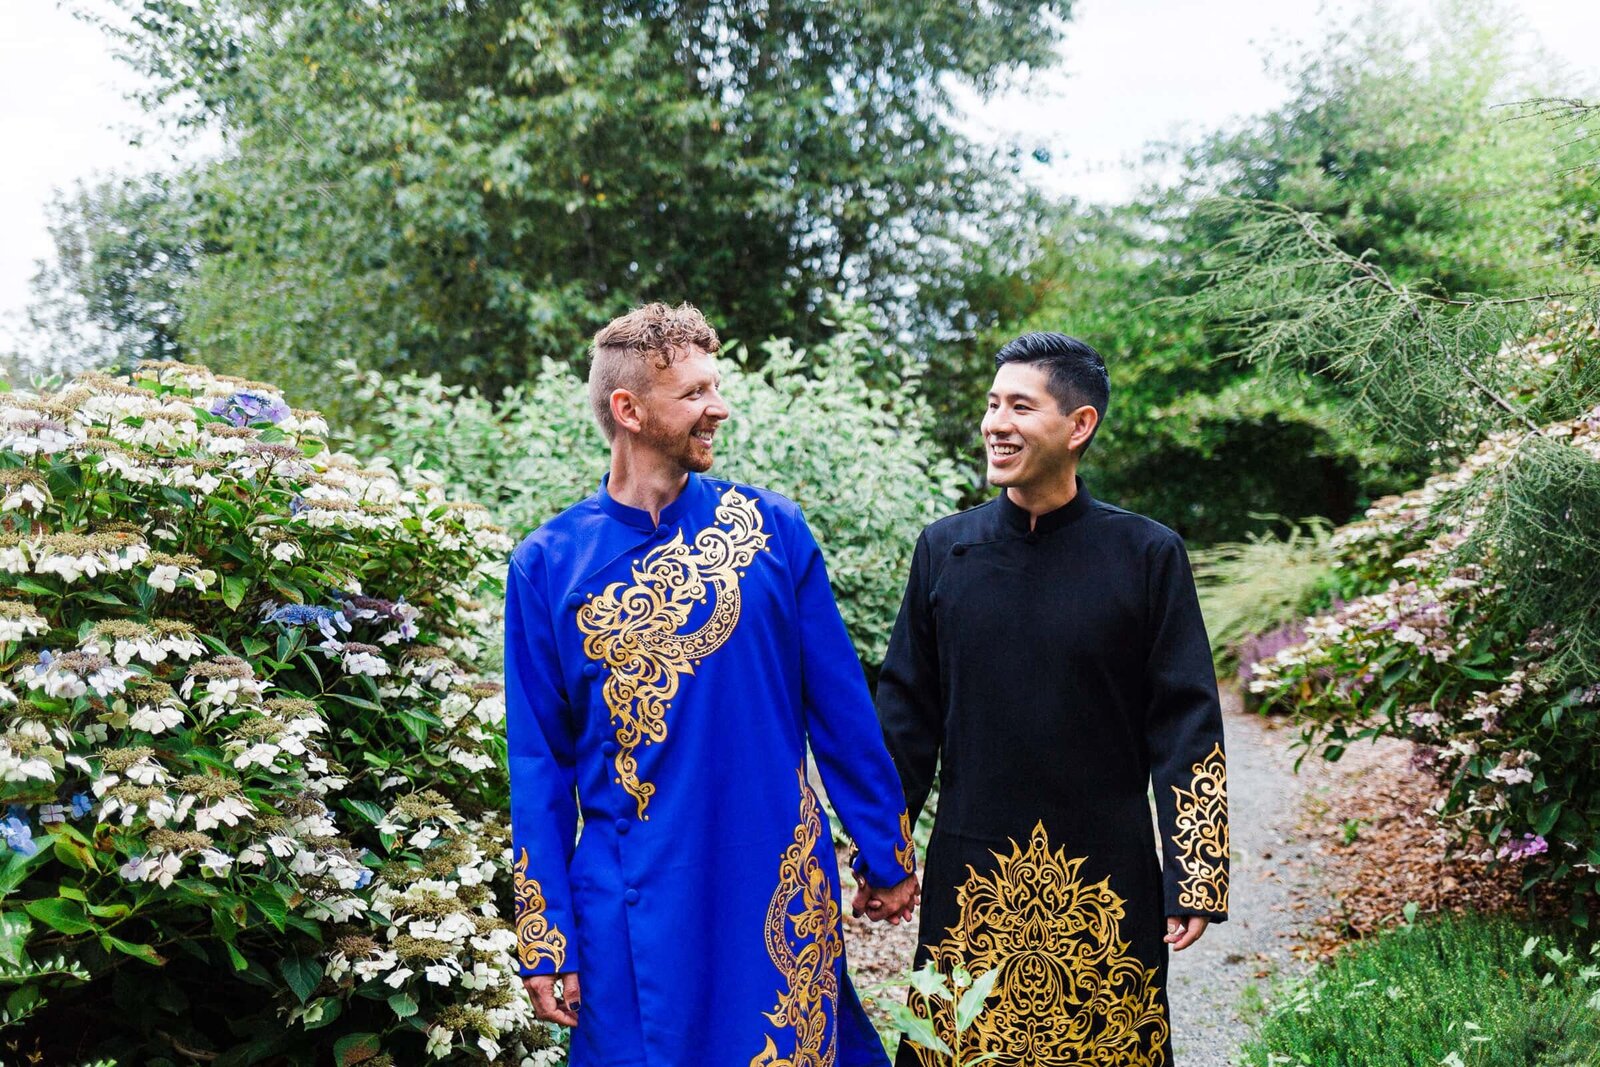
887 905
547 1005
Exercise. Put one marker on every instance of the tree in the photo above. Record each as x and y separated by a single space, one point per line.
1396 143
469 187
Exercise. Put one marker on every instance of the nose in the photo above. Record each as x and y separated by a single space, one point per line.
995 421
718 407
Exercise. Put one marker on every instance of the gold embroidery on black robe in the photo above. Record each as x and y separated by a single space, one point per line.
1070 994
805 945
537 939
633 629
1200 834
906 853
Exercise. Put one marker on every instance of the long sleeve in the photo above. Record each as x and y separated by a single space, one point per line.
909 708
544 812
843 731
1183 732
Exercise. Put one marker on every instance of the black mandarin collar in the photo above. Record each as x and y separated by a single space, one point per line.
1017 518
640 519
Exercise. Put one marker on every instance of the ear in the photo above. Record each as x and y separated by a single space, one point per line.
1084 420
626 411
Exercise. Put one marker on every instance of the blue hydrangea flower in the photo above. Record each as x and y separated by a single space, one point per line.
244 408
329 621
18 836
364 878
81 805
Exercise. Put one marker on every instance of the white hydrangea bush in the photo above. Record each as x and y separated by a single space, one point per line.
254 789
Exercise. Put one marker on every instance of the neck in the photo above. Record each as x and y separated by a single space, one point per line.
1039 500
644 479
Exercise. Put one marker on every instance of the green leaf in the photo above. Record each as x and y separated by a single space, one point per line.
64 915
355 1048
28 585
372 813
138 952
75 854
403 1005
266 898
15 866
917 1029
973 999
234 588
236 957
302 973
14 931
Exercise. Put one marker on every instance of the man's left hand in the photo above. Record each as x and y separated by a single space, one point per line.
1184 930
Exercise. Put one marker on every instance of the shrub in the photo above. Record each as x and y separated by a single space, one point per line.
255 789
1248 588
1451 652
807 423
1462 992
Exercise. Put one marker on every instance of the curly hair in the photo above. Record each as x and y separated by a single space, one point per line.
653 335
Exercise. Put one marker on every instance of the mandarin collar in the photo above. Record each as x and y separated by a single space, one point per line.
640 519
1017 517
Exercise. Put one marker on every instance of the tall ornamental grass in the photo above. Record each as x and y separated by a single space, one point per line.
253 788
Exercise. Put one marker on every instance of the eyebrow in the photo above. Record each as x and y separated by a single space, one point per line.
1018 395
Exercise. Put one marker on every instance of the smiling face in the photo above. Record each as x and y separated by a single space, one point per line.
680 410
1030 443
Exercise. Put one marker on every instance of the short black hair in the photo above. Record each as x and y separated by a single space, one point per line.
1075 374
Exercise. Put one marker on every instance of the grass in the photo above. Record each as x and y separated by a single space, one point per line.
1459 992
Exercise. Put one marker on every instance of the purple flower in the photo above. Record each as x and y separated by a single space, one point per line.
245 408
1530 845
18 836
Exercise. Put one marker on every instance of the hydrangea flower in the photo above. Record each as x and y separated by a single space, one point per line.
18 836
244 408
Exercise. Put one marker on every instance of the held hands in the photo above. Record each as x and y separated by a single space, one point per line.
1183 931
891 905
548 1005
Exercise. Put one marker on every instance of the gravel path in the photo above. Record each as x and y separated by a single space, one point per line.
1216 985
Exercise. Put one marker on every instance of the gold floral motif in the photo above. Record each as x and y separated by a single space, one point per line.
1200 833
805 946
906 853
536 938
633 629
1069 994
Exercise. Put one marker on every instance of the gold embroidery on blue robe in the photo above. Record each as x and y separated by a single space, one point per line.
536 938
805 946
1070 993
1200 833
633 630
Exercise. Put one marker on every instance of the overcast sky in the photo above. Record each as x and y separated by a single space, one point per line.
1132 72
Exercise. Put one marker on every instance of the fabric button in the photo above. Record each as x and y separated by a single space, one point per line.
609 748
575 601
590 670
623 826
631 896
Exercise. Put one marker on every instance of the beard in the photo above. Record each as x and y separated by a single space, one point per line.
679 446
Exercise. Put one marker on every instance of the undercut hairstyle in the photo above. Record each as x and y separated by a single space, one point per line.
626 348
1075 375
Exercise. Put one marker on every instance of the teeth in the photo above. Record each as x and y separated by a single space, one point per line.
1005 450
